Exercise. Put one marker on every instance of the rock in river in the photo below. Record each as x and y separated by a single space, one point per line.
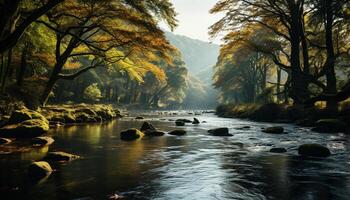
147 126
278 150
41 141
195 121
274 130
313 150
39 169
180 123
60 156
177 132
330 126
220 132
131 134
184 120
4 141
27 129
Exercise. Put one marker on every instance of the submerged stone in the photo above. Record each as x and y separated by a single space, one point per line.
60 156
313 150
278 150
180 123
177 132
274 130
219 132
41 141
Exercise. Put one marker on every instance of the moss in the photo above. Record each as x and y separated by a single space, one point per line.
27 129
22 115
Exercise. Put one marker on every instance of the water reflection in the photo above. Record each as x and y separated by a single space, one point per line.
196 166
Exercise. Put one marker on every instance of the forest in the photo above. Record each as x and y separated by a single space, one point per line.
131 99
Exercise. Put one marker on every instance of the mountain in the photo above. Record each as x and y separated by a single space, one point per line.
200 57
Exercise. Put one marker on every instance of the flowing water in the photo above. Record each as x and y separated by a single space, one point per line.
196 166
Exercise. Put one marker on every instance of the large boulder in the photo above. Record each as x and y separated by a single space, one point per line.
131 134
22 115
27 129
330 126
42 141
39 169
59 156
177 132
219 132
274 130
313 150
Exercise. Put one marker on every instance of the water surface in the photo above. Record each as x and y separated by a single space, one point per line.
193 167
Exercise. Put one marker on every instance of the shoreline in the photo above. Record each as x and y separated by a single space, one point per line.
320 120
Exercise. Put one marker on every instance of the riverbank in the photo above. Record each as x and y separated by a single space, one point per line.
23 129
320 119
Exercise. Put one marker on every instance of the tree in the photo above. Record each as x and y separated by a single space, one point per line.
104 31
15 19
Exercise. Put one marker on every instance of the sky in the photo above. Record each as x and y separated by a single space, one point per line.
194 18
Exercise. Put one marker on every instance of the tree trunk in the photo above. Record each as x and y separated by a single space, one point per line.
330 62
298 90
7 70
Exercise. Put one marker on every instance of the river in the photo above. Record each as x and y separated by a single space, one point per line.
192 167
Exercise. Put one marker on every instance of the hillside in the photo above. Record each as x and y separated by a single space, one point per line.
200 57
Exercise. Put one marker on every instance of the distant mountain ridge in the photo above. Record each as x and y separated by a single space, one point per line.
199 56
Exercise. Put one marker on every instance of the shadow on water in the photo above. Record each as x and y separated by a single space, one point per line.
196 166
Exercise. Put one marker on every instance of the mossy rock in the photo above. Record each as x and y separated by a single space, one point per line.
131 134
22 115
27 129
274 130
313 150
178 132
42 141
219 132
69 118
330 126
59 156
39 169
